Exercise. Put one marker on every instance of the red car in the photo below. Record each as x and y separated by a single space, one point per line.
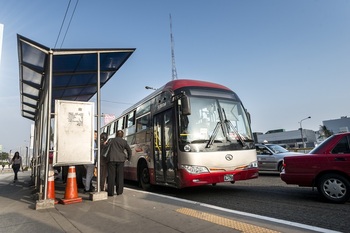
326 167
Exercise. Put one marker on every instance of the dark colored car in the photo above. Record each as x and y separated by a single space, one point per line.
270 156
326 167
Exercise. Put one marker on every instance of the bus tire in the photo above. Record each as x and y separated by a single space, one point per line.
144 177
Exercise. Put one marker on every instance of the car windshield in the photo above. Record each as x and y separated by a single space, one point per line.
215 119
277 149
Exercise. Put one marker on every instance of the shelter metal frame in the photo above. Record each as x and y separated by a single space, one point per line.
47 75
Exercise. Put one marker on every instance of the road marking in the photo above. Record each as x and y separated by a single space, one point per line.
241 226
256 216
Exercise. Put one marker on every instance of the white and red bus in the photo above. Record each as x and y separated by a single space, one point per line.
187 133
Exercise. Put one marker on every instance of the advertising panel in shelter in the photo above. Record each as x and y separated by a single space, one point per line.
73 133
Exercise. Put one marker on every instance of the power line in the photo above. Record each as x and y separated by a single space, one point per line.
75 7
64 19
116 102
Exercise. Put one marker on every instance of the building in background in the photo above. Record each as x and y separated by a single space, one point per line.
293 138
338 125
288 139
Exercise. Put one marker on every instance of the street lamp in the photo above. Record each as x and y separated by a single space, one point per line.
151 88
301 129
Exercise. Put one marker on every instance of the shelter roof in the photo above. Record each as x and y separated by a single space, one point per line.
74 72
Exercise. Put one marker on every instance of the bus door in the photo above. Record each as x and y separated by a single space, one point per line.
163 147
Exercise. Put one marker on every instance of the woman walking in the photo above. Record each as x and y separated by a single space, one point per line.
16 162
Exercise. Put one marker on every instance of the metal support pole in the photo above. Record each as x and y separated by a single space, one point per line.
48 123
26 156
98 120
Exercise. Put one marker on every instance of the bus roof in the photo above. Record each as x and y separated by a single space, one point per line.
180 83
174 85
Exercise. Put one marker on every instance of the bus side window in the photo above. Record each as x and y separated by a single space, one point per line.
142 125
116 126
130 128
112 128
105 130
108 128
130 119
120 124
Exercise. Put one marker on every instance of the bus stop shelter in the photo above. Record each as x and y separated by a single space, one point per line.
47 75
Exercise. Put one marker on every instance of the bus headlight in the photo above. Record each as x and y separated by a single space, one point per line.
253 164
195 169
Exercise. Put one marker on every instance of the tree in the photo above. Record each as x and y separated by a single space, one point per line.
4 158
324 132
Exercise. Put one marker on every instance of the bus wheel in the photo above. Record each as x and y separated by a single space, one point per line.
144 178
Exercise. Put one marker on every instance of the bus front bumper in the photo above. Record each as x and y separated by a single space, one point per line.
187 179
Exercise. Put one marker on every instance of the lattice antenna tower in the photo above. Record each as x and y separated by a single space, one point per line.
174 72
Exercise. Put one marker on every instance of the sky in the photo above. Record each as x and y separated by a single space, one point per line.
286 60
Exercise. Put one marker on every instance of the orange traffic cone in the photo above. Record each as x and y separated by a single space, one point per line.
51 184
71 194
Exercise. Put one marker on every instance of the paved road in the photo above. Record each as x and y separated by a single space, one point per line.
270 196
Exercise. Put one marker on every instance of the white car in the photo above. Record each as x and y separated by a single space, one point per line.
270 156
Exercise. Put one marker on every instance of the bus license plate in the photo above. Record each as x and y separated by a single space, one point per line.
228 177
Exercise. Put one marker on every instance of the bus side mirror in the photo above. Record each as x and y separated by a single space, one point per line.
185 104
248 116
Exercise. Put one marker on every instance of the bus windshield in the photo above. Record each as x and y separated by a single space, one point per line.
218 120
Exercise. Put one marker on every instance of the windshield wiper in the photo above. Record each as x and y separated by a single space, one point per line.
229 126
213 135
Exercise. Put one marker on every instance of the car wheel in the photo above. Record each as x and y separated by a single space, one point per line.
334 188
280 167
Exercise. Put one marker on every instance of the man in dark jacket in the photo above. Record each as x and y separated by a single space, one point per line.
116 159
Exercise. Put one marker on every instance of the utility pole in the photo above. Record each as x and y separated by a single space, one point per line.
174 72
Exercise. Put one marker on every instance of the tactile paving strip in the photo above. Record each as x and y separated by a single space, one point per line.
241 226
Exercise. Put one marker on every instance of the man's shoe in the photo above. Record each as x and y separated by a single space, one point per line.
88 191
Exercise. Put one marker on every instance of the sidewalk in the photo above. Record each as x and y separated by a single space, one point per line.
134 211
6 170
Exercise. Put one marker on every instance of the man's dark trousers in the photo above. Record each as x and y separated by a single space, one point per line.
115 177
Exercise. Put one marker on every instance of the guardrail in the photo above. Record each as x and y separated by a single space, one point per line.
301 150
